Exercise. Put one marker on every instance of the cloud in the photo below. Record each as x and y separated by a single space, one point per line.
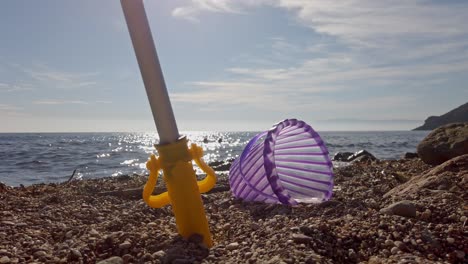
59 102
191 12
68 102
52 78
4 87
9 110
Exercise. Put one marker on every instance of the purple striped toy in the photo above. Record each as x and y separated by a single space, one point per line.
288 164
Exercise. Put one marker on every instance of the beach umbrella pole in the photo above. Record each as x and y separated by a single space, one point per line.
175 157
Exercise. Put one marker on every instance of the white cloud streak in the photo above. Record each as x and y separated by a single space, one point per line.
59 102
50 78
9 110
4 87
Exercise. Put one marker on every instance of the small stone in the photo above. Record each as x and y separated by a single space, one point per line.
426 214
69 234
460 254
76 254
93 232
351 253
394 250
274 260
300 238
39 253
450 240
463 219
5 260
401 208
112 260
10 223
127 258
152 224
232 246
400 245
248 255
159 254
147 257
254 226
125 245
389 243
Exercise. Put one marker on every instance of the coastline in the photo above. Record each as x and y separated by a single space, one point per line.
92 220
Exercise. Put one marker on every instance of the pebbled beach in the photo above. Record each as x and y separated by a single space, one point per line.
400 211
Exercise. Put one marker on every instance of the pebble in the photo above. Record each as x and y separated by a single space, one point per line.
463 219
450 240
300 238
5 260
401 208
39 253
159 254
389 243
8 223
254 226
125 245
93 232
460 254
232 246
112 260
400 245
75 253
426 214
394 250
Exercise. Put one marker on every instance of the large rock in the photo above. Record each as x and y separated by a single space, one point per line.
451 175
444 143
459 114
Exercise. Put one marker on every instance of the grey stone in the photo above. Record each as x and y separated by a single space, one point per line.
125 245
75 253
401 208
232 246
5 260
112 260
300 238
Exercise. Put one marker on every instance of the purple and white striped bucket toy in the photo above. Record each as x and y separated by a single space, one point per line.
288 164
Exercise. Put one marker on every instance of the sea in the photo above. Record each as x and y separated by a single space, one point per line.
33 158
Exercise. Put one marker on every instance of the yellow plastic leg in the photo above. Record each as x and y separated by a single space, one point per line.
183 191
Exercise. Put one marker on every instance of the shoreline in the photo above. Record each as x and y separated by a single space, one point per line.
92 220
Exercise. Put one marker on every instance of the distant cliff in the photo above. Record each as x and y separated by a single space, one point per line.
459 114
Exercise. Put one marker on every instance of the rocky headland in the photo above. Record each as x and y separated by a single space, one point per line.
457 115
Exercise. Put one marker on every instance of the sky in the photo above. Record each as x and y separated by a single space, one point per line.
233 65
